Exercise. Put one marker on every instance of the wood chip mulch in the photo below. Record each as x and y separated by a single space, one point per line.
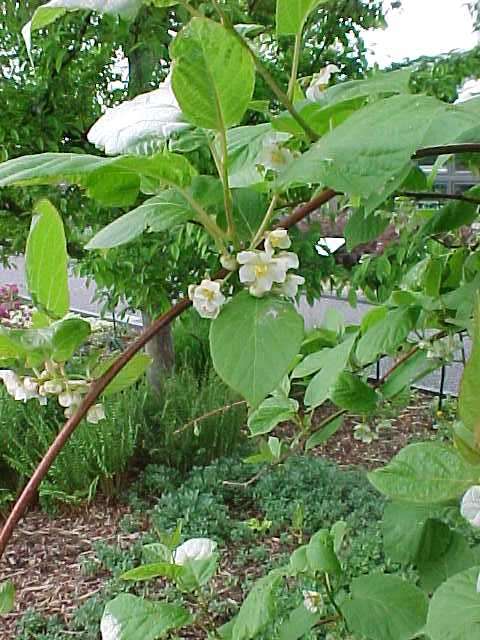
45 558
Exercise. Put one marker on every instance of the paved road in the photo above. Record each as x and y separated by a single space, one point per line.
82 300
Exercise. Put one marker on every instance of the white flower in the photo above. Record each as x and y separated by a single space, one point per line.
30 385
141 125
96 413
229 262
194 549
277 239
52 387
470 507
207 298
69 398
274 157
10 380
289 288
260 270
320 82
312 601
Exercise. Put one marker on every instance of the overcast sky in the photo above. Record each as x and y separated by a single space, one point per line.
422 27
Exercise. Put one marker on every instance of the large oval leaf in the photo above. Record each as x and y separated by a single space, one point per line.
384 607
213 75
128 617
454 612
424 473
46 261
253 342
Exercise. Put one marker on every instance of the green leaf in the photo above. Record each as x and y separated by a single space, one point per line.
320 437
454 609
258 608
450 217
270 413
411 533
249 208
160 213
245 146
320 118
292 14
379 85
197 573
298 624
110 181
131 372
321 556
424 473
350 392
469 397
154 570
7 597
361 228
334 359
46 261
353 158
383 607
387 335
32 347
457 557
213 75
129 617
253 342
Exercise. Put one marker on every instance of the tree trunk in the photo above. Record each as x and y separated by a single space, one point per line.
162 351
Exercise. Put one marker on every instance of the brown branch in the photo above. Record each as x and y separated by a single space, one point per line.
407 356
210 414
28 493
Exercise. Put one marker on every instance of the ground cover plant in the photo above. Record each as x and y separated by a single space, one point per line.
358 141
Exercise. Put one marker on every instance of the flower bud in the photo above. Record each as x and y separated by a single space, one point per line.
194 549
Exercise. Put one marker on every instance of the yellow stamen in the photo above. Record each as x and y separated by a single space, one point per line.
261 270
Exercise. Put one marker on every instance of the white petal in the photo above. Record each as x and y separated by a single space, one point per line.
247 273
246 257
290 259
110 628
470 507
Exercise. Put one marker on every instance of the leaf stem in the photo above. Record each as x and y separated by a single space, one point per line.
210 225
265 222
227 194
295 64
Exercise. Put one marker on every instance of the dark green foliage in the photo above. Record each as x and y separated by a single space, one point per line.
184 398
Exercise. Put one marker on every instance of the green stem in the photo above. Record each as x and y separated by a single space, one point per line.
331 595
295 64
227 194
281 96
210 225
265 222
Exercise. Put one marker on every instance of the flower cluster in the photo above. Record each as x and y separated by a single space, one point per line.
312 601
261 271
51 382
